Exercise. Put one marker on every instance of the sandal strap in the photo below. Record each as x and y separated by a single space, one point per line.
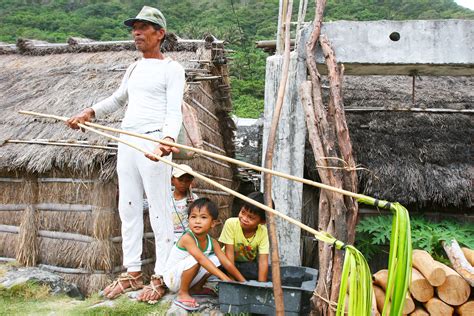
156 277
133 280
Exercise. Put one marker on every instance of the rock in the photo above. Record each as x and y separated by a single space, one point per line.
15 276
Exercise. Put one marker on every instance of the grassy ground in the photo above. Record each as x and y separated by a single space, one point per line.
34 299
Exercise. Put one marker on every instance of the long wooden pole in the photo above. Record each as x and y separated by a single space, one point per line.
320 235
267 183
382 204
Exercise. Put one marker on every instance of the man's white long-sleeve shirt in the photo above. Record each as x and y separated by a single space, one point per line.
154 91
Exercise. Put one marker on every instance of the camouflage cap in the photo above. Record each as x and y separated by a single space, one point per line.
148 14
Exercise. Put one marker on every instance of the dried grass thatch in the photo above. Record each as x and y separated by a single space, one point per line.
423 160
68 222
8 244
60 192
27 251
88 283
62 252
66 83
12 218
99 256
106 223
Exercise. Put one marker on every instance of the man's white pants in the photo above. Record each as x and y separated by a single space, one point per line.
138 174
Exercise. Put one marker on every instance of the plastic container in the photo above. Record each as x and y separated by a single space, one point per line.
298 284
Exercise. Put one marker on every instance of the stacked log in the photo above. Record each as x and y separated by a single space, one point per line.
435 288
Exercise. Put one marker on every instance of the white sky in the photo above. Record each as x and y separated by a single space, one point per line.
466 3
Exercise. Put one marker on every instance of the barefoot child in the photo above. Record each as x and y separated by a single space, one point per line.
246 240
196 255
182 196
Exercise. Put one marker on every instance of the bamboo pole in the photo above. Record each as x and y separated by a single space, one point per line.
267 184
323 236
301 15
18 141
280 41
368 199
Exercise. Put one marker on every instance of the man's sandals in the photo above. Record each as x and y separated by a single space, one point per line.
124 283
154 292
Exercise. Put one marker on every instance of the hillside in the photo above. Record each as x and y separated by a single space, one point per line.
240 22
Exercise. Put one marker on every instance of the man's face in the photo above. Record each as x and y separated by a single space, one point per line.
146 37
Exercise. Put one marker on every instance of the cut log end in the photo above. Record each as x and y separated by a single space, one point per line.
466 309
428 267
455 290
469 254
437 307
420 288
420 311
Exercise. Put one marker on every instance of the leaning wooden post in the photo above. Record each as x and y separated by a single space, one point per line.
335 75
275 258
348 213
321 143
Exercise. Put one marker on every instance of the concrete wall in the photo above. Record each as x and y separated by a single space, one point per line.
435 47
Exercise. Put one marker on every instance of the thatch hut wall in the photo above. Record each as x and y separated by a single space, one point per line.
421 159
58 204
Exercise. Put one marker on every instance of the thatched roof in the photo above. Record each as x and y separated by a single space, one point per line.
419 159
63 79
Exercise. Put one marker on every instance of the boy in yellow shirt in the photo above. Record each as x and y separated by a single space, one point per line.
246 240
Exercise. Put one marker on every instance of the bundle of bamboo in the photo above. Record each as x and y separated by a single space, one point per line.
435 288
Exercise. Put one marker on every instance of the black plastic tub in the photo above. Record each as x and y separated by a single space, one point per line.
254 297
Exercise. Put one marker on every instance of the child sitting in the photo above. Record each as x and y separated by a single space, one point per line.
246 240
196 255
182 196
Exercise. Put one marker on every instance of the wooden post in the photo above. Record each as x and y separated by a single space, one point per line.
280 42
329 137
277 290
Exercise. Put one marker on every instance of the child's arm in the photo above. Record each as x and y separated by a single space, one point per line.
226 263
189 244
262 268
229 252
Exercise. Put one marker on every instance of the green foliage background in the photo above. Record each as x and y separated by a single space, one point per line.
240 22
373 232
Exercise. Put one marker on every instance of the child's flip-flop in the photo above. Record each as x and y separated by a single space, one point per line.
189 305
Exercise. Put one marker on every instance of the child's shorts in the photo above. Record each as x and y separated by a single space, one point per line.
172 276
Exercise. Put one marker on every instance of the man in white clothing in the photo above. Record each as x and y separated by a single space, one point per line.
153 87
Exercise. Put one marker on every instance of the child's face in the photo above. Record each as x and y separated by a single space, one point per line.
200 221
249 220
182 183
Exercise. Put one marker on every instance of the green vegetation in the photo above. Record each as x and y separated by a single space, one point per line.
34 299
374 232
240 22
